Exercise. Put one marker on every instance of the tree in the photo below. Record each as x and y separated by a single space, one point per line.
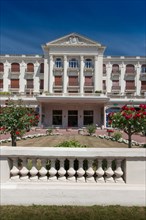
129 120
16 119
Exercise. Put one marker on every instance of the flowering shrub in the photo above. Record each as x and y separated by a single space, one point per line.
129 120
16 119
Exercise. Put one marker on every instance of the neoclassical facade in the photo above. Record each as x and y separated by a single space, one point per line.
73 84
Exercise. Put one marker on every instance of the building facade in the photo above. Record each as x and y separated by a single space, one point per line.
73 84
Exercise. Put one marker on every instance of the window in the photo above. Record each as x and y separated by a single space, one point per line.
73 63
143 85
1 83
73 81
104 69
130 84
1 67
57 117
29 83
88 63
104 84
115 68
14 83
41 84
88 81
30 67
143 68
130 68
58 63
15 67
58 80
88 117
42 68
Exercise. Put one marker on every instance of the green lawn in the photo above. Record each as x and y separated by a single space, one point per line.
52 141
72 213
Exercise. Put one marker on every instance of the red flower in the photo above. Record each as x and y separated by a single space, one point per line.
17 132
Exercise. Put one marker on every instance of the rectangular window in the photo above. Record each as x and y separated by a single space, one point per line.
88 81
41 84
57 117
29 83
130 84
1 83
73 81
14 83
88 117
58 80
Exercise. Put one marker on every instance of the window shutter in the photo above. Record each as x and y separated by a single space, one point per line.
14 83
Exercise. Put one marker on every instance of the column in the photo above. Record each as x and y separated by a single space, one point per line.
40 113
65 77
108 78
22 77
46 75
122 81
51 77
104 113
137 79
6 80
98 73
81 75
36 82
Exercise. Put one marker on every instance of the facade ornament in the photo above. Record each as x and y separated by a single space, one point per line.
73 40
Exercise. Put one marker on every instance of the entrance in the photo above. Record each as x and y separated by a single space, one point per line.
72 118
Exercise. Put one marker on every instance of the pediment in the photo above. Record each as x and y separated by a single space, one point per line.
73 39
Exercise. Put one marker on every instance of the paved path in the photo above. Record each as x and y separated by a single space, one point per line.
138 138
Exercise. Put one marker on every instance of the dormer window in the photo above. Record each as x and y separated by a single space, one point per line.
58 63
88 63
73 63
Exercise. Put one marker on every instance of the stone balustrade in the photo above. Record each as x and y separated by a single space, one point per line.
74 167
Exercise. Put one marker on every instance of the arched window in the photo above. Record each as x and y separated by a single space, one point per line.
15 67
88 63
30 67
42 68
130 68
1 67
104 69
143 68
73 63
58 63
115 68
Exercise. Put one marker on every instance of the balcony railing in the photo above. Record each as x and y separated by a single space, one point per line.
73 84
89 84
78 174
128 88
116 87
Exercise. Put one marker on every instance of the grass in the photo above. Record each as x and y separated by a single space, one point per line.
72 213
52 141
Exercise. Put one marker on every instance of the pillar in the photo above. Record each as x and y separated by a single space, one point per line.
65 77
81 75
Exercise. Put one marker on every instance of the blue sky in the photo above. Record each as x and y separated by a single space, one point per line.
119 24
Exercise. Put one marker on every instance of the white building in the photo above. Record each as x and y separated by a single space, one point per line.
73 83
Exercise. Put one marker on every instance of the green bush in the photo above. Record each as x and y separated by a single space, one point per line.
5 93
49 131
117 135
71 143
91 129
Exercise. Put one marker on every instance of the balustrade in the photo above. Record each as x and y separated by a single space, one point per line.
91 170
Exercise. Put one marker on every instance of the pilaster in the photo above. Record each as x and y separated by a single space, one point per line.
22 79
108 78
65 77
81 75
46 75
51 63
137 79
36 78
122 81
6 80
98 72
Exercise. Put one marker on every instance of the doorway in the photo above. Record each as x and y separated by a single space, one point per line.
72 118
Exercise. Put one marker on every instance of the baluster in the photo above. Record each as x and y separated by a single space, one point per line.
52 171
62 171
90 172
118 172
24 171
80 172
71 171
43 171
14 171
33 172
109 172
100 172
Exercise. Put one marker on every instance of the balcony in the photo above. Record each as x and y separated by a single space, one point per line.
75 68
115 75
87 84
130 76
57 85
116 88
58 68
130 88
143 76
73 84
14 74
